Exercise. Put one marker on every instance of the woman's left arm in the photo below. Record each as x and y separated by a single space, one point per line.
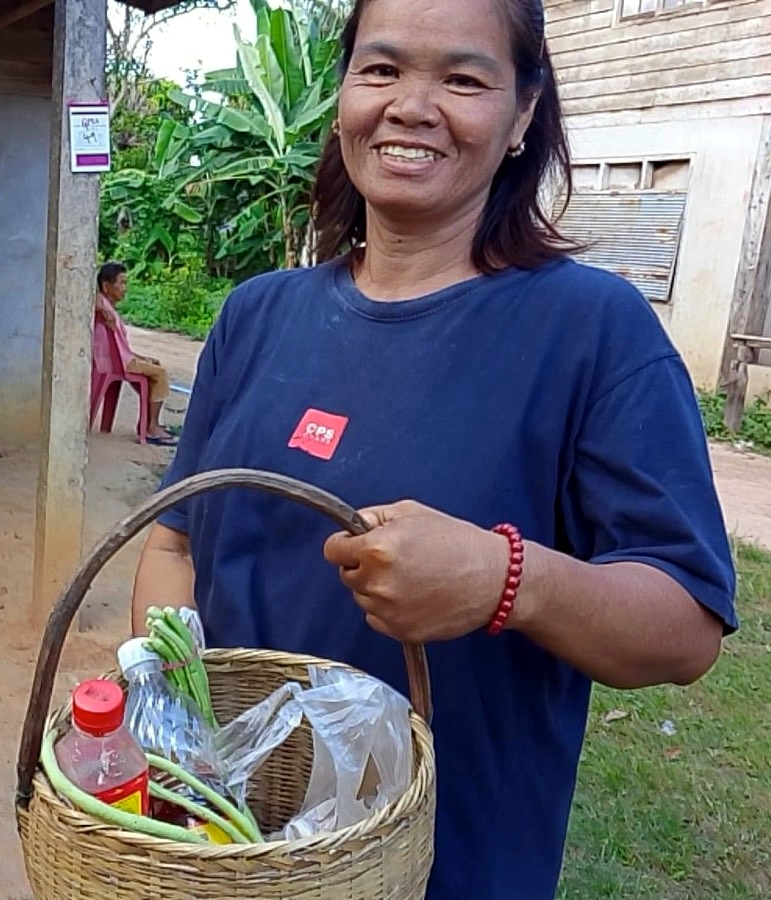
624 624
647 593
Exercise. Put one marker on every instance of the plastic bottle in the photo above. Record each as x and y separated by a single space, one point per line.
98 754
166 722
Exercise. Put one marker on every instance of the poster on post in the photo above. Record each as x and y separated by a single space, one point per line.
89 137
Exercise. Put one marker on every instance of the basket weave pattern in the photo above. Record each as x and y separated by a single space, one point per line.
71 856
386 857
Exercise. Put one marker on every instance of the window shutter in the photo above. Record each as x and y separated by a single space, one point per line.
635 234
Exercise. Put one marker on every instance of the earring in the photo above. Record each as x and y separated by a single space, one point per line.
336 127
514 152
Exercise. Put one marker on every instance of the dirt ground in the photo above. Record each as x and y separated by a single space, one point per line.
120 474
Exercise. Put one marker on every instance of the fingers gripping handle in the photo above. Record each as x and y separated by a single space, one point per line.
70 600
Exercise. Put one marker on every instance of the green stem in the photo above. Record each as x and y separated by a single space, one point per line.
199 812
253 822
199 787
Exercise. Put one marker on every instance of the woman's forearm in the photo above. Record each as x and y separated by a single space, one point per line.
165 575
624 624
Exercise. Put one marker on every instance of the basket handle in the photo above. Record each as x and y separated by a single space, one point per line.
70 600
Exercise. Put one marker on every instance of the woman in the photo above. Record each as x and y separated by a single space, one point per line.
458 359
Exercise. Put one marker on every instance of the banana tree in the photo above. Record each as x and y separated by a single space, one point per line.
255 140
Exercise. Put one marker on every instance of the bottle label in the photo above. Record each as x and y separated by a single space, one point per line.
131 797
131 804
213 833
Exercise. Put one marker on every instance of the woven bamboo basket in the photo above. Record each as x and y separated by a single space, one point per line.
72 856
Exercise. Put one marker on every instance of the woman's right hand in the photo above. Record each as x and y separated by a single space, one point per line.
420 574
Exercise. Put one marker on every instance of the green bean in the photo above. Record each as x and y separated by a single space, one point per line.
162 630
172 674
196 670
204 813
166 645
173 641
177 651
199 787
173 618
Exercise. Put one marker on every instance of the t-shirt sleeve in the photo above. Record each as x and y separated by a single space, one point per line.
642 485
198 424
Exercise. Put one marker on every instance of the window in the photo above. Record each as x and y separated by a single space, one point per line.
629 216
630 8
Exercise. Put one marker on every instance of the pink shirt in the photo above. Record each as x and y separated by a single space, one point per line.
102 353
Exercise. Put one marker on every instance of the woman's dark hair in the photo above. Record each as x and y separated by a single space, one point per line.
514 229
109 273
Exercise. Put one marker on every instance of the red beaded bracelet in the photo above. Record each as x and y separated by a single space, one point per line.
513 577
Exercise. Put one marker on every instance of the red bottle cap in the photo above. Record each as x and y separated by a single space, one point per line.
98 707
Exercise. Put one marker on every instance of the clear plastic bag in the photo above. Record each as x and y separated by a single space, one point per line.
246 742
193 621
362 745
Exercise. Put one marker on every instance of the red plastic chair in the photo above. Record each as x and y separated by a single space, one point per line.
106 385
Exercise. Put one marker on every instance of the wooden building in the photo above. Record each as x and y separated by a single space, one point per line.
669 113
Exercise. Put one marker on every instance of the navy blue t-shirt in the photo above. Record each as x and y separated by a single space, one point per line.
549 398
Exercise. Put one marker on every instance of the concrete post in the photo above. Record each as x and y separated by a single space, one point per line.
73 210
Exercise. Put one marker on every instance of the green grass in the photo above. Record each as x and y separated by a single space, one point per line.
756 421
686 817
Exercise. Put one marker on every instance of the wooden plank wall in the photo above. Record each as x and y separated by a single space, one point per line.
716 52
26 48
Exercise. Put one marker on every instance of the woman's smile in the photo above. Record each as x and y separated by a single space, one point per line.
408 160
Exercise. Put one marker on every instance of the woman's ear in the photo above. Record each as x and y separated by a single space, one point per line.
524 120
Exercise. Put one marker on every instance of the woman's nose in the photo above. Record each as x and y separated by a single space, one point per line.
413 106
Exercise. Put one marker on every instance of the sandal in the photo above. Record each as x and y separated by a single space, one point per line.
165 441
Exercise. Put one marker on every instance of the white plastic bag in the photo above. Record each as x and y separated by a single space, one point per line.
362 750
362 747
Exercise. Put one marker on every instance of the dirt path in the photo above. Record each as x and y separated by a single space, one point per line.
120 474
744 484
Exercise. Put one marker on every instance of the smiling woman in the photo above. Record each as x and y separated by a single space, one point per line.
469 104
562 524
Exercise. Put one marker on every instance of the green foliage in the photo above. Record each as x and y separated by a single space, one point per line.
682 817
211 184
141 223
756 423
129 40
138 222
247 154
182 299
135 127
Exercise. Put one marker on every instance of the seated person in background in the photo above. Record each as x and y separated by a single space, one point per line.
112 284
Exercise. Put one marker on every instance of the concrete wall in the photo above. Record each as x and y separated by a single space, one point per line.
724 153
24 151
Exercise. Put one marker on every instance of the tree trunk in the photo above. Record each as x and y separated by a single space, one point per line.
290 244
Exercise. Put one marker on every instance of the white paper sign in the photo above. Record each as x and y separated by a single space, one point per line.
90 137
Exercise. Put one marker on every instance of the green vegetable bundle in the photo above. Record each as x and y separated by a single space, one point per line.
171 639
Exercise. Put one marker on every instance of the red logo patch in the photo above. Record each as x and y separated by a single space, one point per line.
319 433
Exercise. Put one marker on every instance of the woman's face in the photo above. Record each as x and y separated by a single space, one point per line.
428 107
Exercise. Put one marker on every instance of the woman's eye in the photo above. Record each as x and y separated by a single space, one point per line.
381 70
464 81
